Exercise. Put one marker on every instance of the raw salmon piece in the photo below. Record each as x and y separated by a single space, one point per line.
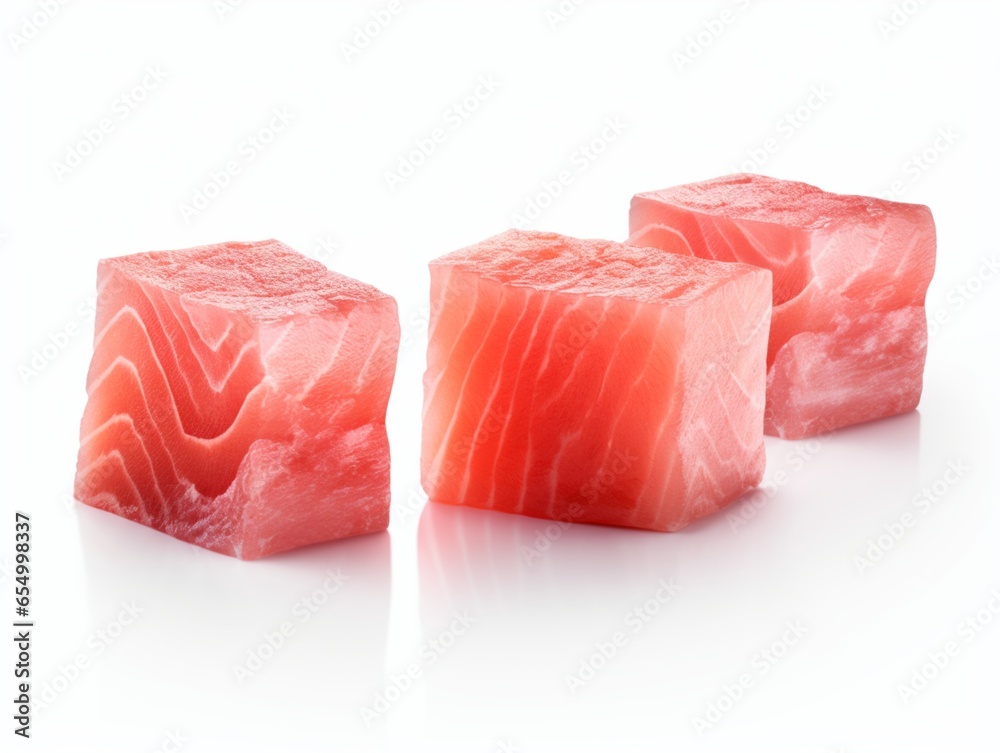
237 397
590 381
848 333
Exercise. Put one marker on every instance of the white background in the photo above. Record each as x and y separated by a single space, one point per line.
502 685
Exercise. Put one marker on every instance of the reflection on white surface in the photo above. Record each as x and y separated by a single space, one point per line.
546 595
218 635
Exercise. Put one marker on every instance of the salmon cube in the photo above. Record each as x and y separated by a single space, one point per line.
236 398
849 332
591 381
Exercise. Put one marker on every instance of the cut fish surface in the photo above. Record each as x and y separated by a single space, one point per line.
591 381
236 398
848 334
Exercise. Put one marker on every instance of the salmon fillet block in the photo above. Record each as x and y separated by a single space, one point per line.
848 333
237 398
590 381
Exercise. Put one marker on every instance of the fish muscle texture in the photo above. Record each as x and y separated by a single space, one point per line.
237 397
849 333
590 381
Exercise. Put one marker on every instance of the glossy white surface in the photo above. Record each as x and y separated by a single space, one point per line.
492 629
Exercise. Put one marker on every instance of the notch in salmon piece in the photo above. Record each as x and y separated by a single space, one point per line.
595 382
237 397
